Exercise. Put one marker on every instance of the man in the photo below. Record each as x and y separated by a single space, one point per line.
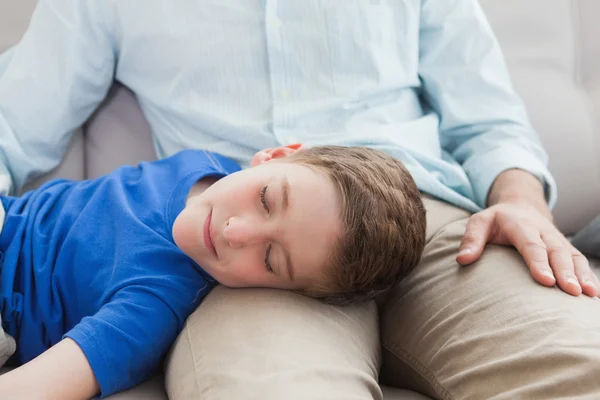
424 81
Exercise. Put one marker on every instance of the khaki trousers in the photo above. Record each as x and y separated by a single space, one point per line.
486 331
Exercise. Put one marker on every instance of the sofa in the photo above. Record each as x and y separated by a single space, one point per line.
553 54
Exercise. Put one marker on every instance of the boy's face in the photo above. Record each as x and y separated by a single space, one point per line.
272 225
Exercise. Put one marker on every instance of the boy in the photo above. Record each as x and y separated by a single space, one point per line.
102 274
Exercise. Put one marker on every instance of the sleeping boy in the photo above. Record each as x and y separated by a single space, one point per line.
99 276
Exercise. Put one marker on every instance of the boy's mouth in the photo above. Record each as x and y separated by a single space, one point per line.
208 240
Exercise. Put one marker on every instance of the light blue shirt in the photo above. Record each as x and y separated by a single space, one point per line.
422 80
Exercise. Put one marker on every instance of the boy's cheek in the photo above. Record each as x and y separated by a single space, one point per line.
185 231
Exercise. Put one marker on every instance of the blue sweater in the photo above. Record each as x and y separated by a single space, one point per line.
95 261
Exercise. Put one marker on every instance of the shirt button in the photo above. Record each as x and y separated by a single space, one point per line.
285 94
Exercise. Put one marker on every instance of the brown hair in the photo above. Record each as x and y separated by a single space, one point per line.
383 220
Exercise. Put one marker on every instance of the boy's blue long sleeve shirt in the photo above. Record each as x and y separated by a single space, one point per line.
95 261
423 80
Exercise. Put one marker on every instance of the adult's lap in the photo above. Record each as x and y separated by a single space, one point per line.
486 330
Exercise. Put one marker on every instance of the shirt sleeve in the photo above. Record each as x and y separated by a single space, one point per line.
51 82
126 340
483 122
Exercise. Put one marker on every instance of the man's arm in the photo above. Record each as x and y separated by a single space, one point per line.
484 126
483 122
51 82
60 373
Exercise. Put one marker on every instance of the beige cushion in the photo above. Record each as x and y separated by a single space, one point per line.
260 343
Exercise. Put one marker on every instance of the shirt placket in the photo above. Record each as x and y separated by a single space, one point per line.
278 71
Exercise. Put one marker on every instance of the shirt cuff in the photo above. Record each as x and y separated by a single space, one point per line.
485 169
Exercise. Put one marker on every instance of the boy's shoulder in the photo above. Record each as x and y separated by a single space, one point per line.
202 159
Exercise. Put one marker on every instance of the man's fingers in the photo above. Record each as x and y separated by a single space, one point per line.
475 238
532 248
561 261
596 281
584 274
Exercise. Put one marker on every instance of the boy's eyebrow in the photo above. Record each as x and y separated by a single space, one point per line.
285 192
285 184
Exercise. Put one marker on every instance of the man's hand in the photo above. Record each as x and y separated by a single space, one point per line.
518 216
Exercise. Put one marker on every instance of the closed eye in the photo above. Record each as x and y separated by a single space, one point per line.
263 192
267 262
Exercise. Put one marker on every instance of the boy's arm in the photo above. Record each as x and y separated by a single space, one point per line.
118 347
126 340
61 373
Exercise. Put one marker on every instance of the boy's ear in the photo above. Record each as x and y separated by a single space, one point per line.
275 152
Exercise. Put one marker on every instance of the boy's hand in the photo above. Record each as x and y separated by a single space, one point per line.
525 223
60 373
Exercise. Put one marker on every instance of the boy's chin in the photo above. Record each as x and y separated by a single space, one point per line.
225 280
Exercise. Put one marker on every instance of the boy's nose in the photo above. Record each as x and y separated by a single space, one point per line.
241 232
